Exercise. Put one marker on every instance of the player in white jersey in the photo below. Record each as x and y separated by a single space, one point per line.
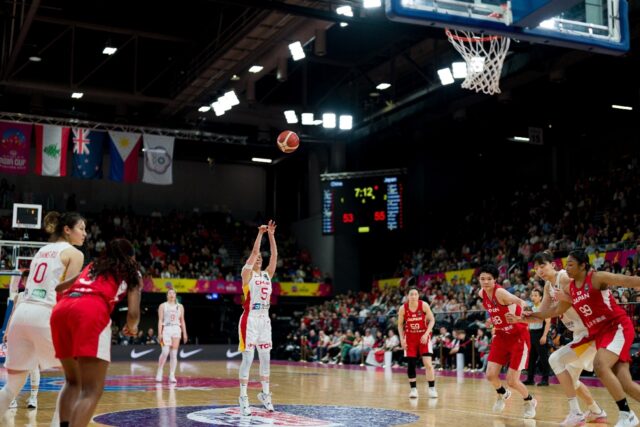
255 326
171 326
29 341
570 360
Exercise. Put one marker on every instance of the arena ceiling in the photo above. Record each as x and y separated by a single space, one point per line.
174 57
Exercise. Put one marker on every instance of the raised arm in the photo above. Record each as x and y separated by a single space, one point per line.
183 325
248 267
273 260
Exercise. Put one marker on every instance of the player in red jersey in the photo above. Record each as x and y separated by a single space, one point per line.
415 323
81 327
510 343
608 325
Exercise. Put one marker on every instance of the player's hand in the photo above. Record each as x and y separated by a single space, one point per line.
271 228
185 338
262 229
424 338
403 343
543 340
512 318
130 331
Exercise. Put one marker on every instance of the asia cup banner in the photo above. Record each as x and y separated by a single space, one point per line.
224 287
15 140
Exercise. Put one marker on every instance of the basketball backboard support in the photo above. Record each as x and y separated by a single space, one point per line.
600 26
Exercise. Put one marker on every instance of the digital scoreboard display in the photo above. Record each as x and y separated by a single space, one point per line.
352 203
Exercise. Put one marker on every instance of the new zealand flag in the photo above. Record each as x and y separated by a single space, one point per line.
87 153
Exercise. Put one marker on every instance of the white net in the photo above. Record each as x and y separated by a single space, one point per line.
484 56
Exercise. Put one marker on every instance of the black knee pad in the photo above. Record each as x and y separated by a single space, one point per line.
411 367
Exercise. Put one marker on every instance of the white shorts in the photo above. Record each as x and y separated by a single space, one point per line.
170 332
255 332
29 341
575 358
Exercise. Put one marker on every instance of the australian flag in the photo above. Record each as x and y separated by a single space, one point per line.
87 153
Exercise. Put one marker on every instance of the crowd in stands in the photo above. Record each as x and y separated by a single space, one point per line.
210 246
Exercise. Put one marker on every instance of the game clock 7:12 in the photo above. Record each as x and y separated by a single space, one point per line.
362 205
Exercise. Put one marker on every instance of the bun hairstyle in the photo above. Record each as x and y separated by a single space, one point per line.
543 258
55 222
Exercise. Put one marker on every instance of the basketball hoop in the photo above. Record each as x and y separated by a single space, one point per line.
484 56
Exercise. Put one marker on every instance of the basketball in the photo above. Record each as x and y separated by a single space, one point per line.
288 141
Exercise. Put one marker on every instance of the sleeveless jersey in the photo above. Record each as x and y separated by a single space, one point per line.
104 287
171 315
45 273
570 318
597 309
257 293
414 321
498 311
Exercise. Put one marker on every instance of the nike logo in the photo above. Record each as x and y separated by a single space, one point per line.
136 355
232 354
185 354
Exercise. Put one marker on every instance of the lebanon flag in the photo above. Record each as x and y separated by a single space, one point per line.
51 150
124 156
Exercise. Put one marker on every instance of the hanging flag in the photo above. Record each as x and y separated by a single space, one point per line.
124 156
158 159
15 139
51 150
87 153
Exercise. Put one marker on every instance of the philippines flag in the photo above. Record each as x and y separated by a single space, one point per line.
87 153
124 156
51 150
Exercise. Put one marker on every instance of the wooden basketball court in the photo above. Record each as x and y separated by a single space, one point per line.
358 396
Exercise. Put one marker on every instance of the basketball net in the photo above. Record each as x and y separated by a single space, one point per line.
484 56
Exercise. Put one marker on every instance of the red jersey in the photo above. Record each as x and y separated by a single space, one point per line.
597 309
104 287
498 311
415 322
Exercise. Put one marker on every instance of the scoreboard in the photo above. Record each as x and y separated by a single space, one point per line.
364 202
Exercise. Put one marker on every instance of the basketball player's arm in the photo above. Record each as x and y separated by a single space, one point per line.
133 311
248 267
73 260
183 325
602 279
555 311
13 309
160 321
401 327
431 321
273 248
507 298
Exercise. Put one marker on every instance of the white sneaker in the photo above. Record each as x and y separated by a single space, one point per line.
265 399
245 411
413 394
172 379
159 377
433 393
592 417
498 407
530 408
13 404
32 403
627 419
574 420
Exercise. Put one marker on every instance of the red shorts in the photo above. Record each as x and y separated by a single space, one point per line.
415 348
81 327
512 349
617 338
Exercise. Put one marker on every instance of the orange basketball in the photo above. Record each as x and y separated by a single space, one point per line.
288 141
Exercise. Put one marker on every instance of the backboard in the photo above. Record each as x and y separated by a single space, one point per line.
594 25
